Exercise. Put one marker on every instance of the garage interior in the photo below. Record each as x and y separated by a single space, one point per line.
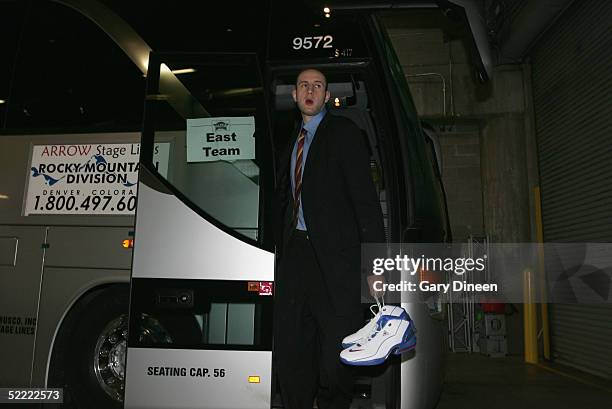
541 123
526 158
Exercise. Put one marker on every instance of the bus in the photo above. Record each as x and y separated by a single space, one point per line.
195 308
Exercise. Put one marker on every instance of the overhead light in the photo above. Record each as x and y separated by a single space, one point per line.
183 71
326 10
2 101
327 15
317 25
3 196
143 62
337 102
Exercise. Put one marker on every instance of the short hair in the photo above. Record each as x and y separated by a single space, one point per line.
313 69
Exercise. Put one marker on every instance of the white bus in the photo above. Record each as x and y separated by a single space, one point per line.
197 312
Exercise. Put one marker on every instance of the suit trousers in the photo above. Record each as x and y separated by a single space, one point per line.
308 334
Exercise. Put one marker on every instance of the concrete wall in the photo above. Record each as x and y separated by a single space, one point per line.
462 182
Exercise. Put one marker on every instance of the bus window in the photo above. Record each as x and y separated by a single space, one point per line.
70 75
214 129
421 169
11 21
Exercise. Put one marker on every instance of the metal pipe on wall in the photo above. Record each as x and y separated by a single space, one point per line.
425 74
542 274
530 318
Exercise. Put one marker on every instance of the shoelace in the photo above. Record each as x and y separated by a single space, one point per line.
380 304
378 329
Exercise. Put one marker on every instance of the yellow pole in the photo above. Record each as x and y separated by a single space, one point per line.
542 273
530 318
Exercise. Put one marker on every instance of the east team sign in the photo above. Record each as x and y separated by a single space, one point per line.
87 178
221 138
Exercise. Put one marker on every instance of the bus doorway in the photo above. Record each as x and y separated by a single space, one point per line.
357 92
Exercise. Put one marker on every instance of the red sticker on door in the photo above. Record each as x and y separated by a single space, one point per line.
265 287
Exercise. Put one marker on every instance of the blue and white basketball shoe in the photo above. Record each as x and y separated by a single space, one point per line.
394 334
371 327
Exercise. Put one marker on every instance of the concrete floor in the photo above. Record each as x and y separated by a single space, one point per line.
476 381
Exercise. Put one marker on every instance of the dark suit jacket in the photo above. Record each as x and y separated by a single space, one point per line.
340 205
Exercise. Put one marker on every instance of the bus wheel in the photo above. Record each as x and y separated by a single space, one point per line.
109 357
88 358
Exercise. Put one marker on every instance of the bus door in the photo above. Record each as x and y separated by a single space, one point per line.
200 321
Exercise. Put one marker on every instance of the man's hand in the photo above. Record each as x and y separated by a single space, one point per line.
380 280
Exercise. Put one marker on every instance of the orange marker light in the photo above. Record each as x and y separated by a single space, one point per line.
433 277
253 286
128 243
254 379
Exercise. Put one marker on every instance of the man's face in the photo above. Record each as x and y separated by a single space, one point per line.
310 93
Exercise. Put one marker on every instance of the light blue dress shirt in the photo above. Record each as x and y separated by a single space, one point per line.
311 129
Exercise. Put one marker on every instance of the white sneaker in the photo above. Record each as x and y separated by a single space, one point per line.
394 335
368 329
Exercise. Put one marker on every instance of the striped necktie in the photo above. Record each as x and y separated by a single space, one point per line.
297 173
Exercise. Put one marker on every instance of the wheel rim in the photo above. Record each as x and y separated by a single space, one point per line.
110 351
109 357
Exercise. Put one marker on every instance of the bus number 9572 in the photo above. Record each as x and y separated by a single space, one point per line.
306 43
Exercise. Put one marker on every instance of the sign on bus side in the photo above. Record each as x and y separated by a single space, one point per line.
87 178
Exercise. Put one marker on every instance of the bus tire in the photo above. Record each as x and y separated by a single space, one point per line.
93 334
73 360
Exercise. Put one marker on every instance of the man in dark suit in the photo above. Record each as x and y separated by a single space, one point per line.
328 206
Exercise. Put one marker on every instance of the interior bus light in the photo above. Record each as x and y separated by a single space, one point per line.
336 102
326 10
254 379
3 196
128 243
2 101
183 71
327 15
